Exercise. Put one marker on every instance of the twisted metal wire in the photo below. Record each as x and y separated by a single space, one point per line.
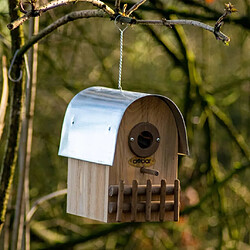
121 53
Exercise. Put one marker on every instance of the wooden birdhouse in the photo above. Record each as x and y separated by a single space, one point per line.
122 150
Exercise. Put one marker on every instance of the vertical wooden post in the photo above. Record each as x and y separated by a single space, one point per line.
162 200
134 200
148 200
120 201
176 199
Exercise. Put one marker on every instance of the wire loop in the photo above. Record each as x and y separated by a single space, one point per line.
121 30
21 72
10 69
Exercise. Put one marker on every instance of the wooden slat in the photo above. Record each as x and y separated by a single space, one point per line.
86 198
148 200
120 201
156 190
134 200
176 199
162 200
155 206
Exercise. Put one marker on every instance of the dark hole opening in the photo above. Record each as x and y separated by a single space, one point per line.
145 139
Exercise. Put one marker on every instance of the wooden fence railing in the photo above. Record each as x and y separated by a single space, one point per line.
148 205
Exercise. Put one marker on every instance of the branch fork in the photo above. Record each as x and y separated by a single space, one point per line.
122 17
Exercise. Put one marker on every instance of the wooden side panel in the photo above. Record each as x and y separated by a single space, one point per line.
153 110
88 189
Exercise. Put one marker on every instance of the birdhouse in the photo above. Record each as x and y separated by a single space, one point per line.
122 150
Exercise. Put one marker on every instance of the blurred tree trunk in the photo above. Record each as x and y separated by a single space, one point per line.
33 61
16 102
22 200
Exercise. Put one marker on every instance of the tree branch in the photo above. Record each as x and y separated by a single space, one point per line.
54 4
168 23
237 170
234 134
229 8
16 103
42 200
61 21
102 231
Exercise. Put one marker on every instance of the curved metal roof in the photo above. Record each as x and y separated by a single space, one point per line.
92 121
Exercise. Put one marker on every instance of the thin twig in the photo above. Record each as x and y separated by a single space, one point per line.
54 4
135 7
41 200
117 6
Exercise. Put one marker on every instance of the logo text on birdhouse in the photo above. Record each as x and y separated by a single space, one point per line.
140 162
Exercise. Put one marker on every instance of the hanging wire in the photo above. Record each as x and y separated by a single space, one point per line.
21 72
121 52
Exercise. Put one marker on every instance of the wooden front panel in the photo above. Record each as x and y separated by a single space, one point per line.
155 111
88 189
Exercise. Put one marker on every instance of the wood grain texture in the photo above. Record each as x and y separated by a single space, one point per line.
156 190
156 111
88 189
141 207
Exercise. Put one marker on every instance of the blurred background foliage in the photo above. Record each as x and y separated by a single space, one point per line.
210 82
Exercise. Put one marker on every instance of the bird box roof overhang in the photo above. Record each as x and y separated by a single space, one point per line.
92 121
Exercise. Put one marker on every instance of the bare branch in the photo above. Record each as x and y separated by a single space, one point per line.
61 21
55 4
168 23
135 7
125 19
42 200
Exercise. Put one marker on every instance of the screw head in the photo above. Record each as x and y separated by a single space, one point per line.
158 139
132 139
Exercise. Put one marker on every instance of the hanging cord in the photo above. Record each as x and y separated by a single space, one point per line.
121 52
21 72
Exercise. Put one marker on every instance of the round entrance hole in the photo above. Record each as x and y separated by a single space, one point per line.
145 139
